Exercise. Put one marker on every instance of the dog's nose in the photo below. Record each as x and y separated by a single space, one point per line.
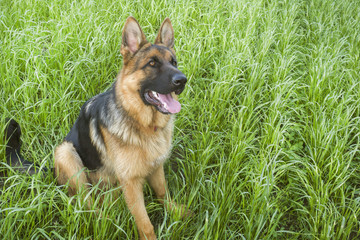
179 79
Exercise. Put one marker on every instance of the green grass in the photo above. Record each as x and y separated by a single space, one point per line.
267 142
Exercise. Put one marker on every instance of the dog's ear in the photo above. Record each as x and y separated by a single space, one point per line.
132 37
166 34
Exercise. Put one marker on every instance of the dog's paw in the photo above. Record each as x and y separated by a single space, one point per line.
180 211
147 233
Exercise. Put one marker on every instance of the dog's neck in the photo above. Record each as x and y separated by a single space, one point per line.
127 95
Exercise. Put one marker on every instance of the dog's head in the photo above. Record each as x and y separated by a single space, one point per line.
150 72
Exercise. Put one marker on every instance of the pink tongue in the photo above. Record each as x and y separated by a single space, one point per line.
171 104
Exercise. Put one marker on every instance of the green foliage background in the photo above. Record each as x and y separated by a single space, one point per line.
266 144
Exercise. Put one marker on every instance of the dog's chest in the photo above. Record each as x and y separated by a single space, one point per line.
139 158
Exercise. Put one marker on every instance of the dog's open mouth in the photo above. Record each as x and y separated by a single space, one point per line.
165 103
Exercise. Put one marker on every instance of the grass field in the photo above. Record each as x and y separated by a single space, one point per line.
266 145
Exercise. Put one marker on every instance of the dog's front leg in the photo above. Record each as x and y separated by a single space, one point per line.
158 183
133 192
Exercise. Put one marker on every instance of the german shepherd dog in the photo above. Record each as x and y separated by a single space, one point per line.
123 136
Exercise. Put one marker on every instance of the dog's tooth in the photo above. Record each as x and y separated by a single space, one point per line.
155 94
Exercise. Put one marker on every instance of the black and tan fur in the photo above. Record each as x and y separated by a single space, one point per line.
121 136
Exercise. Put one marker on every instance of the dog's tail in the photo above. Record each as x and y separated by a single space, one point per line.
12 136
13 147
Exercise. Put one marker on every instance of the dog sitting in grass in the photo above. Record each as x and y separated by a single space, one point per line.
123 136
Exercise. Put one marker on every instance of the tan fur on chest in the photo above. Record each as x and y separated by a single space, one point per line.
137 161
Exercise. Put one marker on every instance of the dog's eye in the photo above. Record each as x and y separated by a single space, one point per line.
174 63
152 63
